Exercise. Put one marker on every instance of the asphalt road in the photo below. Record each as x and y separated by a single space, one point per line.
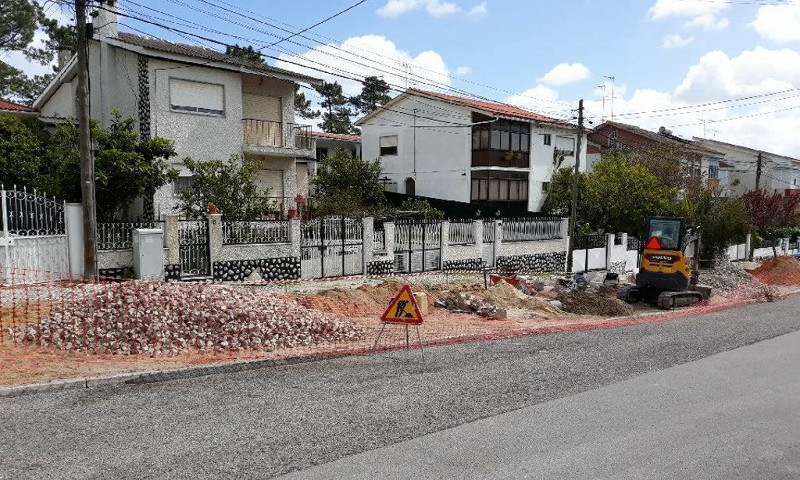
268 422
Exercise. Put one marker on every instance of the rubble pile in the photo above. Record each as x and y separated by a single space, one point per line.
165 319
462 302
725 276
589 303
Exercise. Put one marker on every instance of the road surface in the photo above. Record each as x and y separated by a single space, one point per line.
286 419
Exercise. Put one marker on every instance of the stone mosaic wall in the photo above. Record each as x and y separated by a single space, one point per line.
285 268
466 265
383 267
172 271
537 263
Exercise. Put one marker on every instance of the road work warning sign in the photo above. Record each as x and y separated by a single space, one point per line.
403 309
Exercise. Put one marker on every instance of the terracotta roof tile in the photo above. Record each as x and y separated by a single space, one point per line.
203 53
14 107
497 108
336 136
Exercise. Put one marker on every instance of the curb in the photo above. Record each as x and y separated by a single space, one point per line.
155 376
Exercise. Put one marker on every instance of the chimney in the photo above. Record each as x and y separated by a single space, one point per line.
105 23
63 55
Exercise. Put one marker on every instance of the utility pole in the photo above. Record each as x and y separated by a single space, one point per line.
85 152
573 214
758 172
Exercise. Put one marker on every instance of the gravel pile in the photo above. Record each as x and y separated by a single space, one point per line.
162 319
589 303
725 276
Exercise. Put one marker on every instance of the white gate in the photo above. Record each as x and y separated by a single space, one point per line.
33 239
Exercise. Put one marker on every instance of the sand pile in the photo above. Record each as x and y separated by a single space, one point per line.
779 271
587 303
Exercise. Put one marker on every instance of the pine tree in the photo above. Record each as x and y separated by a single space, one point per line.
302 106
374 94
337 113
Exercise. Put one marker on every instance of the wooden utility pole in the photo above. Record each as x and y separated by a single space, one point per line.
573 214
758 172
84 147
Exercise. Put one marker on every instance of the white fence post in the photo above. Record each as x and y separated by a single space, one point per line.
368 240
610 237
7 273
748 248
73 224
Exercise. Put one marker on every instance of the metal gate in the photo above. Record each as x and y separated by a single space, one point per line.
417 246
195 252
487 247
332 247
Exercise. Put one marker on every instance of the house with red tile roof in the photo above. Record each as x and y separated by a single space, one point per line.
210 104
480 152
15 108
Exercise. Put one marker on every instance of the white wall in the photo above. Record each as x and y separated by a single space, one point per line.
542 167
443 155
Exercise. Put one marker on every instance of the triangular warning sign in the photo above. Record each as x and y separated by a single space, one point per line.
653 244
403 309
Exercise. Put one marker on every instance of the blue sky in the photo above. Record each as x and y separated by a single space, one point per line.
546 54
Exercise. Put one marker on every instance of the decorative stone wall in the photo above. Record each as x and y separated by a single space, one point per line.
118 272
537 263
381 267
172 271
286 268
466 265
618 267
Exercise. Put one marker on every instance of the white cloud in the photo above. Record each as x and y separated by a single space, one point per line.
675 40
701 13
435 8
685 9
463 70
779 23
479 10
428 64
565 73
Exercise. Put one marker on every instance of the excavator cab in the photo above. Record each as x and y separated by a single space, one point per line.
667 277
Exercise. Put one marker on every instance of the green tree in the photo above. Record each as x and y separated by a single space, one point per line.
422 209
347 185
559 194
336 116
247 53
19 20
302 106
230 186
374 94
126 166
723 220
23 145
619 196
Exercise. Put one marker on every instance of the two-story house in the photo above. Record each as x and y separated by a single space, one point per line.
211 104
453 148
779 173
702 163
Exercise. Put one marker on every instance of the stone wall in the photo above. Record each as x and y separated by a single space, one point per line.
535 263
286 268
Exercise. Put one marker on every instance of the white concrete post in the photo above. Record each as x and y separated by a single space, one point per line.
444 243
388 238
609 249
171 241
73 223
477 235
748 246
368 242
785 244
294 236
565 232
498 240
214 238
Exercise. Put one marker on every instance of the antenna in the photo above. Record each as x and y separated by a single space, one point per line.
603 114
612 78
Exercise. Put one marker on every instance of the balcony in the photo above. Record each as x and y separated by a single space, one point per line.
276 138
499 158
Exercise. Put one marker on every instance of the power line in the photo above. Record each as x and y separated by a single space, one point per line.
317 24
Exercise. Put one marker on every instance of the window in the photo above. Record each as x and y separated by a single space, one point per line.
547 139
322 153
502 135
614 133
388 145
499 186
181 184
545 187
713 171
196 97
565 145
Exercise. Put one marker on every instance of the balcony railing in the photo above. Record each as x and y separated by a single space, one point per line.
266 133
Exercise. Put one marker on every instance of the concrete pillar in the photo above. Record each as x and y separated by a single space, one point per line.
748 246
477 235
173 256
444 243
785 244
388 235
214 237
294 236
498 240
565 232
369 228
610 237
73 225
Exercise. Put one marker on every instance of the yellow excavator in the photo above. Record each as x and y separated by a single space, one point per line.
667 277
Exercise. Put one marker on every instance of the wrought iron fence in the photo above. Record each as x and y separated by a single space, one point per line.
119 235
254 232
633 243
584 242
527 229
461 233
379 239
27 213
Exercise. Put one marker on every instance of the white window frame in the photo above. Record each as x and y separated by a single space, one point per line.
389 139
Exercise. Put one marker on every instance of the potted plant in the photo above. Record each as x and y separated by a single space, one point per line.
509 155
211 209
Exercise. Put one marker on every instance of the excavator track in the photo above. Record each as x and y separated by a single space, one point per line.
670 300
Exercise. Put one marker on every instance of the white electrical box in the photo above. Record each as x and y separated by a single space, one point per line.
148 253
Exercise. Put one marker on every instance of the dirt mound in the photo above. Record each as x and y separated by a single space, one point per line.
587 303
505 295
779 271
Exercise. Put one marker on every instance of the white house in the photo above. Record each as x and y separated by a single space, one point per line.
212 105
778 172
453 148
